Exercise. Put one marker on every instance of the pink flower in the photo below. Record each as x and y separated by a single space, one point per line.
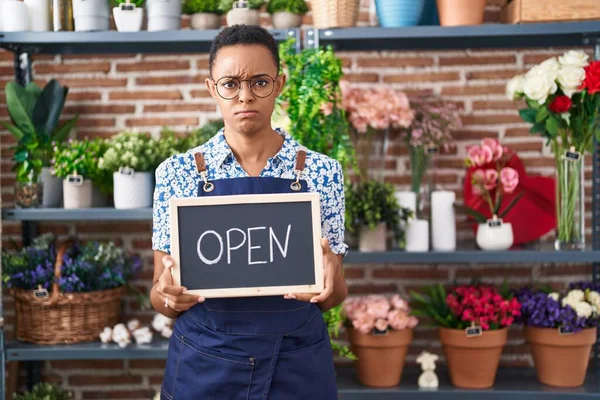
509 178
398 319
378 307
364 322
480 155
381 325
490 179
399 303
352 306
494 146
412 322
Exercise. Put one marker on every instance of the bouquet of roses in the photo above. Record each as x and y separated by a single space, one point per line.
378 314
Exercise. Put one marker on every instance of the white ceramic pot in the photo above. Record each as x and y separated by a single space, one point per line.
205 21
77 192
39 15
243 16
52 188
495 235
128 17
370 240
14 15
133 190
164 15
286 20
91 15
417 235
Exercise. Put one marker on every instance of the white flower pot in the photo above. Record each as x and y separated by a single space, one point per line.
164 15
52 188
39 15
373 239
133 191
286 20
243 16
14 15
205 21
77 192
128 17
417 235
495 235
91 15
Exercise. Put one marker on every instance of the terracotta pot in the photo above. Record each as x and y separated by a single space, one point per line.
560 360
473 361
380 358
461 12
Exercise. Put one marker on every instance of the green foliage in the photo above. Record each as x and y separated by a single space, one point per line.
44 391
202 135
369 203
138 3
35 115
201 6
226 5
137 151
293 6
312 89
334 319
434 306
82 157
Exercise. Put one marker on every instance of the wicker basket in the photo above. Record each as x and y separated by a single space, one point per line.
55 317
334 13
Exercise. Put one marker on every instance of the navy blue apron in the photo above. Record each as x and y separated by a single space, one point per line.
250 348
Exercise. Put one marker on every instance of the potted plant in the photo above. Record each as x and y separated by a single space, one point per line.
493 183
131 158
287 14
380 329
461 12
35 115
44 391
560 329
473 323
128 15
373 210
91 15
242 12
76 163
563 105
164 15
205 14
397 13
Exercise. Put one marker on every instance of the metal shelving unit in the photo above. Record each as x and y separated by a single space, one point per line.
510 384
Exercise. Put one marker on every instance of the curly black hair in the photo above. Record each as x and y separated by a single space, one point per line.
240 35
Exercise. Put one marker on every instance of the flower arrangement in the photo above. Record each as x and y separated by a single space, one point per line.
292 6
201 6
571 311
378 314
430 131
44 391
86 267
130 149
491 178
468 305
562 104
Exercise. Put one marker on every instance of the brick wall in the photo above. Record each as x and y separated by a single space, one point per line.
146 92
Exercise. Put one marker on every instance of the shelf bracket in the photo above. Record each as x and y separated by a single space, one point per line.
311 39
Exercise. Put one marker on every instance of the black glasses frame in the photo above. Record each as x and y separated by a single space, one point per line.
216 83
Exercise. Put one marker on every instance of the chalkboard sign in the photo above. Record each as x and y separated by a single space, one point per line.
247 245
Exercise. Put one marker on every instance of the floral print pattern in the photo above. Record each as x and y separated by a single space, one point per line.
177 177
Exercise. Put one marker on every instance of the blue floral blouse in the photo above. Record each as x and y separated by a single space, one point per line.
177 177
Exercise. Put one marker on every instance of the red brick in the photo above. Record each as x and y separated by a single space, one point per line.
565 270
394 62
478 60
406 179
151 66
525 146
491 271
362 77
146 95
100 109
86 364
425 272
472 90
95 122
354 273
200 93
81 96
538 162
517 132
93 82
473 134
142 244
119 394
162 121
147 364
87 380
490 119
423 77
488 75
187 107
72 68
372 288
496 105
7 71
117 227
170 80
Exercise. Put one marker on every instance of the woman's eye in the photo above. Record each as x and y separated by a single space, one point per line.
260 82
229 85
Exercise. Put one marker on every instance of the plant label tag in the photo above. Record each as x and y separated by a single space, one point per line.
377 332
128 7
126 171
494 223
563 331
572 155
432 150
40 293
75 180
474 331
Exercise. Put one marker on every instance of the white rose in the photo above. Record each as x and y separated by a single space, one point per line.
554 296
570 78
514 87
539 87
549 67
583 310
594 298
576 295
574 58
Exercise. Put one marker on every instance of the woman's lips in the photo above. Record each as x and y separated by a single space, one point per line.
247 113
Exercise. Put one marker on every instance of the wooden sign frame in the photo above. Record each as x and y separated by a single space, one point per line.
176 203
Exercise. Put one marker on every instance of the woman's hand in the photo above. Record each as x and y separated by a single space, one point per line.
172 296
335 290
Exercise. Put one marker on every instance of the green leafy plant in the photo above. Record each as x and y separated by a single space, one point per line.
81 157
370 202
227 5
334 318
35 115
310 102
138 3
201 6
44 391
292 6
137 151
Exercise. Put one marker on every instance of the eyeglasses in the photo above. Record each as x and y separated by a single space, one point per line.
261 86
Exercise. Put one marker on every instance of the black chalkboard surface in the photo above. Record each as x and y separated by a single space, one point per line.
247 245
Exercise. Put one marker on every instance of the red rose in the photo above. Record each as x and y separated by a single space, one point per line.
561 104
592 78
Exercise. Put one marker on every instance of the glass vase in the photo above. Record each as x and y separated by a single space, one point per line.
570 201
28 194
422 163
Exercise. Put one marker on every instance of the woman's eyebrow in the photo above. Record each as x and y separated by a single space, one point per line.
237 77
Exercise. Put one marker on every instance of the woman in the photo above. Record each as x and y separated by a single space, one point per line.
274 347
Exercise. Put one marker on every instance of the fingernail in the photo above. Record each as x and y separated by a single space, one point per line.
200 299
183 288
313 300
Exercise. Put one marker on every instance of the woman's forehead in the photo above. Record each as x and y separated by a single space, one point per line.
244 61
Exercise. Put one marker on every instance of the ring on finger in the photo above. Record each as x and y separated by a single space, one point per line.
167 302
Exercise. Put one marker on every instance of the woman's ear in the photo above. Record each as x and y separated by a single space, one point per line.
211 87
280 84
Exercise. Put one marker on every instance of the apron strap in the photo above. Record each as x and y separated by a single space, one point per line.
300 164
201 167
